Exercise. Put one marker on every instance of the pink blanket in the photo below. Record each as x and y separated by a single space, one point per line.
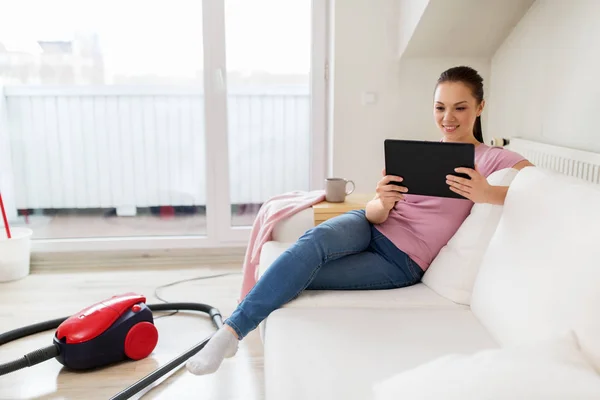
272 211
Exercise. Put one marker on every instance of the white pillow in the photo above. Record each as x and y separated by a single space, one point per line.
554 369
453 271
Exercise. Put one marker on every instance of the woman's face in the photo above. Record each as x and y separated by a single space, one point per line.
455 110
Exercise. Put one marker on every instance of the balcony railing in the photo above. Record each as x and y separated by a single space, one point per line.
113 147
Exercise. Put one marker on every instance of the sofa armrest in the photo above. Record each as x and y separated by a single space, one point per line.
290 229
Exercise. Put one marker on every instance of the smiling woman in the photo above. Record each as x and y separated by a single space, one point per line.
458 103
388 245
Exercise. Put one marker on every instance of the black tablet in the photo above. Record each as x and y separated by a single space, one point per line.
424 165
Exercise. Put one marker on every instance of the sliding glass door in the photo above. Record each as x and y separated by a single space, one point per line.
275 93
167 128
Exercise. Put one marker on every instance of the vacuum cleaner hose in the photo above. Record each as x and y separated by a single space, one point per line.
30 330
35 357
49 352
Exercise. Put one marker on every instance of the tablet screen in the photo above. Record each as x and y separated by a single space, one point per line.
424 165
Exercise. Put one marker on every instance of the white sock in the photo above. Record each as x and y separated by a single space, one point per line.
223 344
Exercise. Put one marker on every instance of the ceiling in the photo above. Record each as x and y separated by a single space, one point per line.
464 28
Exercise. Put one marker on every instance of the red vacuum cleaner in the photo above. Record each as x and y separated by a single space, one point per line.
114 330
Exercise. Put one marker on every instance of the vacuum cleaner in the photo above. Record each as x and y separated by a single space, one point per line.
114 330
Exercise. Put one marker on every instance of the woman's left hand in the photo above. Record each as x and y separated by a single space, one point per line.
477 189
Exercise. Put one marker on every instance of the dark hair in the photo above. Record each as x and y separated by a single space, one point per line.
471 78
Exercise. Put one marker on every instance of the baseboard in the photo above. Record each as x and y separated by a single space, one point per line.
131 259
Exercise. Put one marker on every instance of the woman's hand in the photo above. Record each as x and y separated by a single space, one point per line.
387 192
477 189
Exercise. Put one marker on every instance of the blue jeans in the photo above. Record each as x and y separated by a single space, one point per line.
343 253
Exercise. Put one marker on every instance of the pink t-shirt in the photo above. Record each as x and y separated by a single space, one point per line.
421 225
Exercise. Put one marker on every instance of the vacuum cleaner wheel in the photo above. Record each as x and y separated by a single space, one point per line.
141 340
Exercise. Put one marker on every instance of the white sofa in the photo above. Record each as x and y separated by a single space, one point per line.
513 277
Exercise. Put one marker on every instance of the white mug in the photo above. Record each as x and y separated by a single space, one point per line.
336 189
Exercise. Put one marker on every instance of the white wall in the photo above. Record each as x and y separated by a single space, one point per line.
364 55
546 76
543 83
366 59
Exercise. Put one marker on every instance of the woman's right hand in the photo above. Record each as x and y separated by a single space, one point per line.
389 193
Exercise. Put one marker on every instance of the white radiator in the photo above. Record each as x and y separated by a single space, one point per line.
84 148
577 163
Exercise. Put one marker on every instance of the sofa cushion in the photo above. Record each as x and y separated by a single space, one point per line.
340 353
413 296
290 229
553 369
540 275
453 271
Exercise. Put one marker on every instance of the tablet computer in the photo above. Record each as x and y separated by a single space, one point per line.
424 165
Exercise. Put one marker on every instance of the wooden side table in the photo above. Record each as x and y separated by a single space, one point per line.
325 210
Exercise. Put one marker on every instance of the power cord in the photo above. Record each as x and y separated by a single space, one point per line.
199 278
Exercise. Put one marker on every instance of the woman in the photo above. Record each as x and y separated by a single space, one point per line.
388 245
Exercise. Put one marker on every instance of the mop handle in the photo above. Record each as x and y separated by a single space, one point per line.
6 227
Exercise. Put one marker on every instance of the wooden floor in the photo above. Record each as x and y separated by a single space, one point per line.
47 295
